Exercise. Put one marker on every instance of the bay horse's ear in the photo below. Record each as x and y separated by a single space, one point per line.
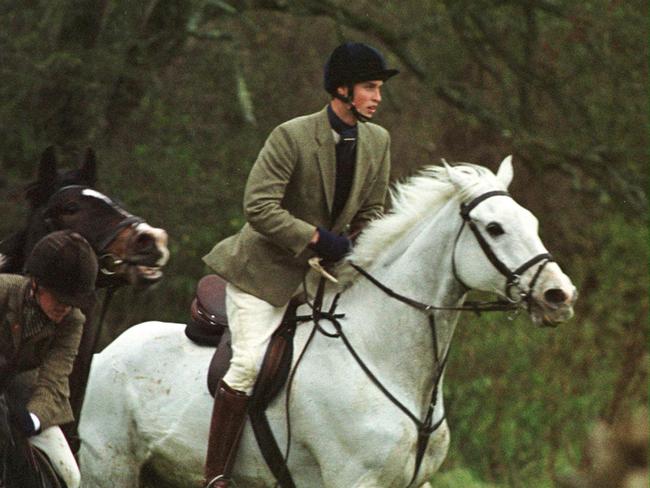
505 172
88 171
47 173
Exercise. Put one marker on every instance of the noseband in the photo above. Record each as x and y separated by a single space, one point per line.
512 277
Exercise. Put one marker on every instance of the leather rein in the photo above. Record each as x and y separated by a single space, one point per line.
426 427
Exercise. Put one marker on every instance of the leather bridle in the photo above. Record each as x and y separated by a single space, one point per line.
512 277
108 262
427 426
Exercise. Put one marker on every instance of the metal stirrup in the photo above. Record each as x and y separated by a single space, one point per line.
220 477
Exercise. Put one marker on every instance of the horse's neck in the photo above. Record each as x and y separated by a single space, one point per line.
395 337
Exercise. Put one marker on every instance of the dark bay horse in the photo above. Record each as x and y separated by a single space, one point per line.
130 251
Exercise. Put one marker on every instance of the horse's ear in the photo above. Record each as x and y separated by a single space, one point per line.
505 172
88 171
454 175
47 173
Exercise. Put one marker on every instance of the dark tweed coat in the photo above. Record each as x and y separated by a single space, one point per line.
50 353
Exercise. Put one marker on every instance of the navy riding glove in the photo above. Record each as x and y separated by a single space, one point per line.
330 246
24 420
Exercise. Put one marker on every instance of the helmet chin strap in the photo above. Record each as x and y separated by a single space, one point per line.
348 100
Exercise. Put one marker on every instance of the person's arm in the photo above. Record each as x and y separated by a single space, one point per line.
50 401
265 189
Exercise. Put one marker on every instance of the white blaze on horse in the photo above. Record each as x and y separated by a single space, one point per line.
451 229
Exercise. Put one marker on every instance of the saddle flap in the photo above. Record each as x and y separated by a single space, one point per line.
220 362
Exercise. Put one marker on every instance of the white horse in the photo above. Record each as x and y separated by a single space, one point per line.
147 409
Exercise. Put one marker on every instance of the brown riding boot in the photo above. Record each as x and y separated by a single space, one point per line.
226 427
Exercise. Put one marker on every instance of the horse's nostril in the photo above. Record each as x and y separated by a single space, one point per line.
555 295
144 241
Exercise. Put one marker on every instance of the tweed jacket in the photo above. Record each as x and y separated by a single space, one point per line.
289 192
51 352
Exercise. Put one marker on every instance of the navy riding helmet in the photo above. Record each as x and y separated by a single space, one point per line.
353 62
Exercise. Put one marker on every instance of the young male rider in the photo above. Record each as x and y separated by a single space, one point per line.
40 330
318 178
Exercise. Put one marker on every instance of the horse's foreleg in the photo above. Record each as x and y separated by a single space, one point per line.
107 469
107 457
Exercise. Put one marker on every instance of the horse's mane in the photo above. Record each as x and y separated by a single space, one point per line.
414 199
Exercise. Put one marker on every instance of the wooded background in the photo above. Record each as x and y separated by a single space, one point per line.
178 96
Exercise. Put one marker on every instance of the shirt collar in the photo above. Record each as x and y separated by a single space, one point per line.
336 123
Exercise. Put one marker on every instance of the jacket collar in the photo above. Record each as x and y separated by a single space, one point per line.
336 123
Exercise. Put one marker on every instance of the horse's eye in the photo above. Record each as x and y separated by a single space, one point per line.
70 208
494 229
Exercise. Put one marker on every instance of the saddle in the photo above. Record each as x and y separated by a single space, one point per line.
209 327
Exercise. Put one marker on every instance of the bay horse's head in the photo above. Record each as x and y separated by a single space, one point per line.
129 250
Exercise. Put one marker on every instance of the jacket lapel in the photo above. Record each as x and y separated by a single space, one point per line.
361 166
326 156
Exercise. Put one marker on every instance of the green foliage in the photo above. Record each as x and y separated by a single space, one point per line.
459 478
178 96
521 400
